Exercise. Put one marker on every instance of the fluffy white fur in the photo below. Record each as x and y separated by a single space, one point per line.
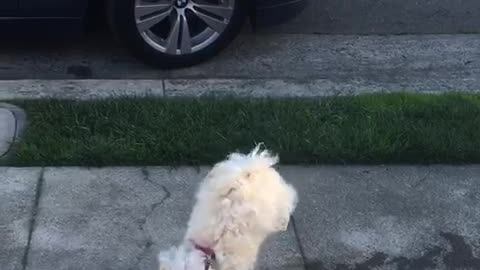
241 201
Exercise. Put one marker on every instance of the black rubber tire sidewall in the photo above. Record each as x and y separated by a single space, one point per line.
122 21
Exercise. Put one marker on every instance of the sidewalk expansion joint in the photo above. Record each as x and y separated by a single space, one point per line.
33 219
299 243
164 88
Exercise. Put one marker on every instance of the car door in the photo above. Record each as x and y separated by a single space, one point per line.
53 8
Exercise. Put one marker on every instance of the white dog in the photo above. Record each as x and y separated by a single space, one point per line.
241 201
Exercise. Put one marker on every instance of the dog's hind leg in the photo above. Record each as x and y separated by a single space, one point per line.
232 262
237 255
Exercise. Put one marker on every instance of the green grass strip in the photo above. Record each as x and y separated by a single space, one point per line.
366 129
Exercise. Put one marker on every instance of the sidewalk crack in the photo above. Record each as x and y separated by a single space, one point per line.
423 179
144 221
146 177
33 219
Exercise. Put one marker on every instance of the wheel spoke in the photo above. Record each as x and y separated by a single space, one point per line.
220 11
172 39
186 41
142 10
213 22
146 24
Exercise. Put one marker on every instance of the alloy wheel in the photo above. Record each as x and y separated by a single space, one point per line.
180 27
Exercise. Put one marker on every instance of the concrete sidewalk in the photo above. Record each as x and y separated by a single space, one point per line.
359 217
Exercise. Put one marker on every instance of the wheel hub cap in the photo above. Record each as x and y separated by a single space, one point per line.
180 27
180 3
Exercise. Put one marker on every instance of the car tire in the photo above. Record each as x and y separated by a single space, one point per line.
176 33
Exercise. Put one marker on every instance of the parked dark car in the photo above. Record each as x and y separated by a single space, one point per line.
164 33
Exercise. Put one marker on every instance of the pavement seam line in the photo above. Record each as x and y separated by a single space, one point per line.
33 219
299 243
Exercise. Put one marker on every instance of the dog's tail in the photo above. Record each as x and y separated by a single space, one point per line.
270 158
257 158
229 174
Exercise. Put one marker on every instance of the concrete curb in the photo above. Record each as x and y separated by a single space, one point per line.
78 89
257 88
310 88
12 125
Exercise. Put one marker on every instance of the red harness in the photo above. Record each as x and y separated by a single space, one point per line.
209 255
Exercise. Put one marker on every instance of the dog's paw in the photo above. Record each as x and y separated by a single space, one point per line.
282 224
163 267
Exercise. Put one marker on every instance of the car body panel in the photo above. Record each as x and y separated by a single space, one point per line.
264 11
40 17
8 5
52 8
